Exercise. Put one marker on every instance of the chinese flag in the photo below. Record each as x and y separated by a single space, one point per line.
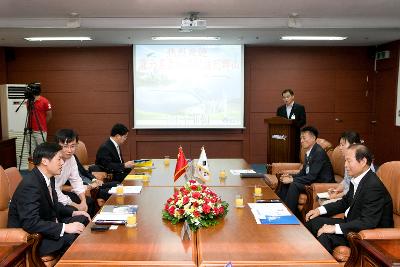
181 164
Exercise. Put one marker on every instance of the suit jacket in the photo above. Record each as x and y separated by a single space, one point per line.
32 209
370 207
107 157
320 168
297 110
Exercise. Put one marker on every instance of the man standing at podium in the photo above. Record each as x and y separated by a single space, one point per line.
292 111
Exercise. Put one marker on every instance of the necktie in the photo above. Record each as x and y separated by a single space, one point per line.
51 196
119 154
50 192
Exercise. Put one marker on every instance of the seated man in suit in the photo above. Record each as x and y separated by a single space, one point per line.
293 111
317 168
34 209
75 197
366 205
109 155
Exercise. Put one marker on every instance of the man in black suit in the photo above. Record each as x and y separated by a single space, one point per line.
109 155
366 205
37 211
292 111
317 168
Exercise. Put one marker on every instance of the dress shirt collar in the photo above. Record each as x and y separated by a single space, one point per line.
355 181
115 144
46 179
309 151
290 105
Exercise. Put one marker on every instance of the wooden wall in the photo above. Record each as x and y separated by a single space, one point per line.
387 135
91 89
331 82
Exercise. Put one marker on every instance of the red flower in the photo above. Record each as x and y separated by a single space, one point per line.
166 207
181 211
216 211
192 181
195 204
193 187
185 200
221 209
196 213
196 195
171 210
206 209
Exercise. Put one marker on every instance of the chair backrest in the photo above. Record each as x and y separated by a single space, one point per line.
4 198
326 145
389 173
14 178
81 153
337 160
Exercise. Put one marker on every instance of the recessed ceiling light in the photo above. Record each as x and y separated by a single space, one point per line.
39 39
313 38
185 38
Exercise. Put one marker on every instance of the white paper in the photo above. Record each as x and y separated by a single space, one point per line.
127 189
264 210
109 216
238 172
323 195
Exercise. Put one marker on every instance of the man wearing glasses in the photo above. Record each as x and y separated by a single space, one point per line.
109 155
67 139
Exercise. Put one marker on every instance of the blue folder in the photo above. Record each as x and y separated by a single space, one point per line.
280 220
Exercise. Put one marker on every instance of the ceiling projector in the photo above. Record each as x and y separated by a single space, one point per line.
193 23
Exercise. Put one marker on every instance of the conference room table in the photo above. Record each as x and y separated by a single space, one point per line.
157 242
163 175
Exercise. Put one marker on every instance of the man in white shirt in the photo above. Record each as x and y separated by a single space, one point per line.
366 205
76 197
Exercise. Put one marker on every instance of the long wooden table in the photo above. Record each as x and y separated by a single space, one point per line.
237 238
154 242
163 175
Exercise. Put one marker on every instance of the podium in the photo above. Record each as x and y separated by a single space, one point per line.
281 142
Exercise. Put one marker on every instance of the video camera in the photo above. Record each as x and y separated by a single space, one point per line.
32 90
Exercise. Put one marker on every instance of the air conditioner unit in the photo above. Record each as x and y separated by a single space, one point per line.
13 122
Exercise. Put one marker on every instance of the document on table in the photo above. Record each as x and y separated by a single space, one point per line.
136 189
109 216
238 172
272 213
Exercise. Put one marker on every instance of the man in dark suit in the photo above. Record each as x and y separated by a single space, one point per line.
317 168
37 211
292 111
109 155
366 205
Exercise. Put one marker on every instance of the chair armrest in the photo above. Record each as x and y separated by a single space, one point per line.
380 233
322 187
100 175
284 166
13 235
271 180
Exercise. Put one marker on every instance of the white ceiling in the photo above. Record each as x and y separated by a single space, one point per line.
257 22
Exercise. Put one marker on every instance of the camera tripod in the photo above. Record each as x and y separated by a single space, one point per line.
28 131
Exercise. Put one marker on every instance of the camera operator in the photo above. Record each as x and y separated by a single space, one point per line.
40 113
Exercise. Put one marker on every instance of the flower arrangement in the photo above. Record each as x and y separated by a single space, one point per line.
195 203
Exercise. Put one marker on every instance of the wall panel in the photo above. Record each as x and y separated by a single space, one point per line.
91 89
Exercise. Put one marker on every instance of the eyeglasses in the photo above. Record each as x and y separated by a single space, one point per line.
71 146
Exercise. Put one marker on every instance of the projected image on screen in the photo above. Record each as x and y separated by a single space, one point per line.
188 86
